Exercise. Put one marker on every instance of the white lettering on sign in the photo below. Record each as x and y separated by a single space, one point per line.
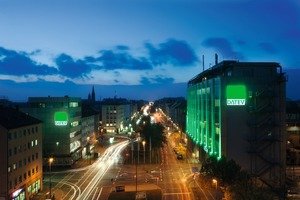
61 123
236 102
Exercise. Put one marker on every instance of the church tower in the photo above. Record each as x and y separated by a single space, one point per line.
93 95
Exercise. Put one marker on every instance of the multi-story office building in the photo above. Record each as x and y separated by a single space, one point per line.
61 118
20 155
237 110
115 115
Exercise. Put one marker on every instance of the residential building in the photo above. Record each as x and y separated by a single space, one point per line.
20 155
237 110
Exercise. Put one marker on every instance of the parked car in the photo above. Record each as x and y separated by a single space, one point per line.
179 157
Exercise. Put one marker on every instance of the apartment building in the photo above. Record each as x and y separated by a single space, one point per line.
20 155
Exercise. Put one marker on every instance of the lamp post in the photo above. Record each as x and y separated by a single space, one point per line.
50 162
194 158
216 182
144 142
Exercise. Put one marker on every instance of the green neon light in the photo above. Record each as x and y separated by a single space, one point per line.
236 95
60 118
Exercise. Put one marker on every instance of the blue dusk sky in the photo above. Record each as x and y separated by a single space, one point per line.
138 49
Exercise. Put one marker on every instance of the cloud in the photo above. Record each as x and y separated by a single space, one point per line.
70 68
156 80
174 52
267 47
111 60
118 65
222 46
18 63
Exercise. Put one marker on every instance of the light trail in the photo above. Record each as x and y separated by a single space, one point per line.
99 168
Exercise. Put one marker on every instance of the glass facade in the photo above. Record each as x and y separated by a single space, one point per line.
204 115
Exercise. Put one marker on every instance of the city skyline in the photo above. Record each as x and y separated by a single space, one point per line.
138 49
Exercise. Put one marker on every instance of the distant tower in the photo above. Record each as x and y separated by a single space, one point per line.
93 95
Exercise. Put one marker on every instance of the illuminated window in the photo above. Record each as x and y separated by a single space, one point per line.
9 169
74 124
36 142
73 104
14 166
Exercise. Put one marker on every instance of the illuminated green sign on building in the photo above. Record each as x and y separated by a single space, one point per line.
236 95
60 118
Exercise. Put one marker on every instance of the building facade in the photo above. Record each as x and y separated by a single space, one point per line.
115 115
237 110
20 155
61 118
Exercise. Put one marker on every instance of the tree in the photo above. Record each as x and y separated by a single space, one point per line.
155 132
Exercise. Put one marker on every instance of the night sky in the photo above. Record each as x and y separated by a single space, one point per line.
138 49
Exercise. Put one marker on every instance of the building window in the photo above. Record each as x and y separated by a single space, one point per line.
36 142
24 132
37 169
32 143
25 176
36 155
14 166
32 157
25 161
29 173
9 136
73 104
28 159
20 179
20 163
20 148
9 152
32 171
9 169
15 150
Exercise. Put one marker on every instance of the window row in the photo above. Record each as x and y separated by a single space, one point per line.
22 133
23 177
20 148
23 162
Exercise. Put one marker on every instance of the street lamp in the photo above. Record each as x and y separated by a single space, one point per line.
50 162
144 149
215 182
194 158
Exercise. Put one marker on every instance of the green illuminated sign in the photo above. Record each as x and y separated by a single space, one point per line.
236 95
60 118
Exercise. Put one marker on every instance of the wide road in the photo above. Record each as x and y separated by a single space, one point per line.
90 182
180 183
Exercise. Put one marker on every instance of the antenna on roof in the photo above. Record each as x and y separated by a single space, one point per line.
216 59
203 62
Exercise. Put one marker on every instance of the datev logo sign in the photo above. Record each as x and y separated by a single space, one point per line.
60 118
236 95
